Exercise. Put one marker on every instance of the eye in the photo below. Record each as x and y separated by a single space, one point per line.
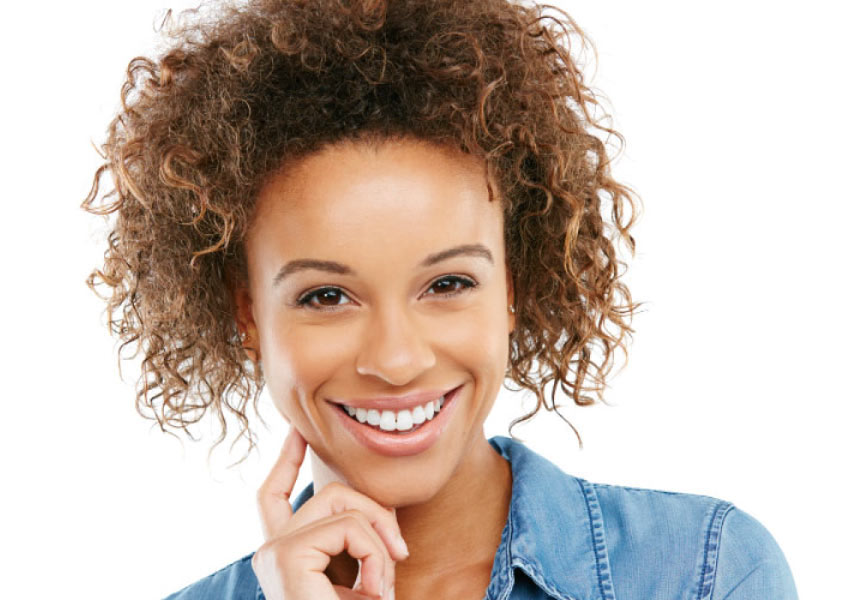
326 297
450 285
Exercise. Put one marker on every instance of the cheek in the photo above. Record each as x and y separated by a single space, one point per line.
479 342
297 361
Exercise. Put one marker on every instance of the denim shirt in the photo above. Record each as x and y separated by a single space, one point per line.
569 539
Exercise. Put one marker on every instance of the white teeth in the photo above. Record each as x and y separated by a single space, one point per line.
388 421
404 420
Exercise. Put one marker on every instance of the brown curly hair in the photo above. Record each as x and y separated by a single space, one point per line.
244 86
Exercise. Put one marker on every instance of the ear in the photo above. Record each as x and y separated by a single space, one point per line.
245 323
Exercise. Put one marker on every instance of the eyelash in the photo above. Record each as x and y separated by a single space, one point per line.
305 300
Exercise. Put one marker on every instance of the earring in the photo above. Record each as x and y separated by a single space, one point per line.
511 308
248 347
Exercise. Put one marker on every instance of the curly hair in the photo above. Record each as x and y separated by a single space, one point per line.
244 86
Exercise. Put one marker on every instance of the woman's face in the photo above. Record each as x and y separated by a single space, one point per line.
378 282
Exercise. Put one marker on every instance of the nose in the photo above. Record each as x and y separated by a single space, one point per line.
394 348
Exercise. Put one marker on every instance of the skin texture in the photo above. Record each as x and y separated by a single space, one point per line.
389 327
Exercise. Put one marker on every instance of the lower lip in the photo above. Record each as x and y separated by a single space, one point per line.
401 443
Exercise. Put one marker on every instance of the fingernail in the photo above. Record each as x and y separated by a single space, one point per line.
402 545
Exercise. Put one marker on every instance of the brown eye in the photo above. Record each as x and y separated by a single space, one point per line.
449 286
324 297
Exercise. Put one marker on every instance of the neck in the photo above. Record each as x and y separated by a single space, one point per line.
475 526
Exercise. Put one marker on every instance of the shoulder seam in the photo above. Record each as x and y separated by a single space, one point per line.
654 491
711 546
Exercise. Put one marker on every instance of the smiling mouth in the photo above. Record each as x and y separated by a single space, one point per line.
400 422
395 434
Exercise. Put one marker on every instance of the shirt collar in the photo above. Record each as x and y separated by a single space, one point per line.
554 533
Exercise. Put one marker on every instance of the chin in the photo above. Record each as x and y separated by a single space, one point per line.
399 487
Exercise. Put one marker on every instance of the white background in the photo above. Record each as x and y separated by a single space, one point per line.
735 115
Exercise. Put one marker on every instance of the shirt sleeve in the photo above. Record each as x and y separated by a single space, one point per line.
750 564
234 582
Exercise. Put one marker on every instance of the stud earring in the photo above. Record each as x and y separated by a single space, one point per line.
511 308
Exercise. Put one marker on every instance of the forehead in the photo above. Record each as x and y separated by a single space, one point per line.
355 194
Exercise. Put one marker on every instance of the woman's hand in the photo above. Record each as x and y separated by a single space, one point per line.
291 564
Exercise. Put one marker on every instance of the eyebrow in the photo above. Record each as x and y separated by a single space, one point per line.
330 266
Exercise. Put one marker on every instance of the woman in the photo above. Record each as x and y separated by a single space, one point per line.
381 210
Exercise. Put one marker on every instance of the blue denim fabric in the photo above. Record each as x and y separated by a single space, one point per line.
570 539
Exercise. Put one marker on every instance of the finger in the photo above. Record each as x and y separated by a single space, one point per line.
390 581
350 532
275 492
346 594
336 498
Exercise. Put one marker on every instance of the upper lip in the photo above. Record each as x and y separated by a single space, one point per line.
396 402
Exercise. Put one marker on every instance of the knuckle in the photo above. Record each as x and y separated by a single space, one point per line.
276 552
357 521
334 488
351 517
353 513
354 520
337 505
